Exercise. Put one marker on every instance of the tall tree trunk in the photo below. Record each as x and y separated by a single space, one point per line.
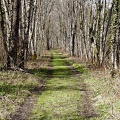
11 39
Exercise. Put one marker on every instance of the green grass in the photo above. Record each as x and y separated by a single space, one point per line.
41 72
12 82
102 101
60 99
14 87
102 92
81 68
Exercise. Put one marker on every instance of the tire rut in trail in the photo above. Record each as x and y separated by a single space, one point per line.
50 69
86 109
24 110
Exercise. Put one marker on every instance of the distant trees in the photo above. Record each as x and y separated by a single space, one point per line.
87 29
91 30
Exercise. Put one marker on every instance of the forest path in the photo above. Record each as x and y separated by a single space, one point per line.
65 95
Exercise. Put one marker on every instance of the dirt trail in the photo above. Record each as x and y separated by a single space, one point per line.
65 95
24 109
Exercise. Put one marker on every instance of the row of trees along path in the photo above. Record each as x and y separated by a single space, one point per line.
88 29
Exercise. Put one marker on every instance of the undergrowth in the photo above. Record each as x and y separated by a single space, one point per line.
61 97
16 86
105 91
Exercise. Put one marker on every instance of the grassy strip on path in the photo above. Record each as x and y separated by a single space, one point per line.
74 93
61 98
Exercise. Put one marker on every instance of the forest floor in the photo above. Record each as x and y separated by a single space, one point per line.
57 87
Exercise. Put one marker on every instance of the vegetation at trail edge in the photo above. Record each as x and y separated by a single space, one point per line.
60 59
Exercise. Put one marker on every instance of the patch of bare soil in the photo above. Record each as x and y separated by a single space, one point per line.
24 110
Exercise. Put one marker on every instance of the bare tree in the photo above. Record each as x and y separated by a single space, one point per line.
88 29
